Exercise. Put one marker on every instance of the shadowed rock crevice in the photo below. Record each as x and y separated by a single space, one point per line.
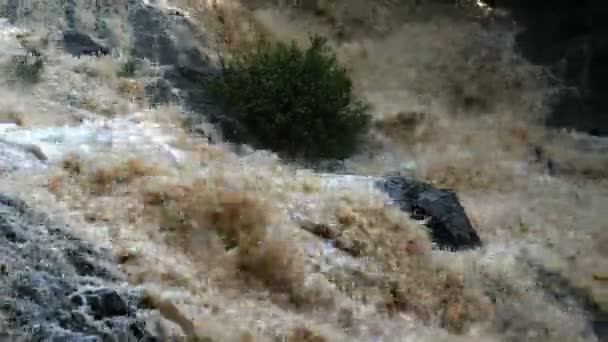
78 44
570 38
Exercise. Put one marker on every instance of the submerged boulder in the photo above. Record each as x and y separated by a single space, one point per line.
439 208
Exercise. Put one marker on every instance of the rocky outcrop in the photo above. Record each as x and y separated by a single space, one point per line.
78 44
169 41
55 287
440 209
570 37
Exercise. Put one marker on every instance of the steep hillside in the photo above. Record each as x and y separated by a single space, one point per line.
125 214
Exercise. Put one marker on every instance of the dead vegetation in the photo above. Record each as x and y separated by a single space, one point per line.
100 180
235 236
405 278
201 243
230 23
242 223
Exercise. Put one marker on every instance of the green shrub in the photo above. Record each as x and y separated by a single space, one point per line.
25 71
298 103
128 68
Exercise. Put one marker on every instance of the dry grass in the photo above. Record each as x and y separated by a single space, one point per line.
575 156
303 334
30 110
200 216
103 178
226 228
236 234
103 67
224 249
406 279
463 154
243 222
231 24
132 89
111 95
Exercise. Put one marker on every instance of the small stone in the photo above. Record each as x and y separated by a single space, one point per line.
106 303
77 300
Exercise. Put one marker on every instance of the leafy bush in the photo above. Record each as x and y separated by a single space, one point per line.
26 71
128 68
298 103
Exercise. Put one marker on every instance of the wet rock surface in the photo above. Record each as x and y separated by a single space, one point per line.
78 44
169 42
55 287
439 208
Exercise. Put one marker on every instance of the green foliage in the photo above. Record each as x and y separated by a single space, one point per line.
128 68
298 103
26 71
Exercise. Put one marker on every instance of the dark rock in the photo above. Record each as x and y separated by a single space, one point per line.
151 36
48 292
569 37
78 44
106 303
86 263
78 300
450 227
13 203
41 287
168 41
8 232
160 92
70 13
137 329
